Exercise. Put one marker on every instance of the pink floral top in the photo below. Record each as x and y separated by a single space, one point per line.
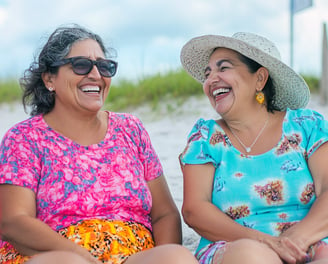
73 182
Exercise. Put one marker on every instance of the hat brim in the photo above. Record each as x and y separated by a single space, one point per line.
291 91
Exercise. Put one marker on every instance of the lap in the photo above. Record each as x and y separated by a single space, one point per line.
106 240
239 251
214 253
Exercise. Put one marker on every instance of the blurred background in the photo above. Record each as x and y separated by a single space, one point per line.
148 34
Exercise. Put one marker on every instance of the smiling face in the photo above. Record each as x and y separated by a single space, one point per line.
229 84
80 93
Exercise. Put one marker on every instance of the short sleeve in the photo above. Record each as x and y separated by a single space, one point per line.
147 154
198 149
19 159
317 131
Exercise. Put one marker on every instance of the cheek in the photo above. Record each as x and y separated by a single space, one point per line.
206 87
107 86
108 82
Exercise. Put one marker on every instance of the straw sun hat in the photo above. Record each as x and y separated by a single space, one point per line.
291 89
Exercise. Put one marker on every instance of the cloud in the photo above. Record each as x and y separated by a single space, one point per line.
148 34
3 15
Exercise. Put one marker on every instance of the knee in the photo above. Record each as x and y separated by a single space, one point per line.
178 254
250 251
247 245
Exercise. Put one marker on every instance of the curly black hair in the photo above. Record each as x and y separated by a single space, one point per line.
35 94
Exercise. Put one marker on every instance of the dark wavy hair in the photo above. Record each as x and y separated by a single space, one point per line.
35 94
268 90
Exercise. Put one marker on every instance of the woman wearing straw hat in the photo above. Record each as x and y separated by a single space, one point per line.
255 180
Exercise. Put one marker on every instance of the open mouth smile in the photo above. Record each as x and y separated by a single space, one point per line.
220 91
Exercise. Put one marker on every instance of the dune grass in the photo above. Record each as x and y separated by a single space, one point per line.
124 94
152 90
10 91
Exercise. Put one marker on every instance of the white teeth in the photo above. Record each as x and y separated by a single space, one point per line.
91 89
220 90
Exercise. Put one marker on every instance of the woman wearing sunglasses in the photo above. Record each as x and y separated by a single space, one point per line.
79 184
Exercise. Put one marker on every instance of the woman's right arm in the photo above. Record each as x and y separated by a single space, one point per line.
201 214
211 223
20 227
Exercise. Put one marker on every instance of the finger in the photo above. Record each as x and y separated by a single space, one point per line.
294 250
284 252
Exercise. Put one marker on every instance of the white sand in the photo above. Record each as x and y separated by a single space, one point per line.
168 131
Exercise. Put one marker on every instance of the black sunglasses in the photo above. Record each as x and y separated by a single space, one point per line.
82 65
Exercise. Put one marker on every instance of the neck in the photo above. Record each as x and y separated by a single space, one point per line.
83 129
247 133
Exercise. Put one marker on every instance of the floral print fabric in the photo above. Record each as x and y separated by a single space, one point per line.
107 180
109 241
268 192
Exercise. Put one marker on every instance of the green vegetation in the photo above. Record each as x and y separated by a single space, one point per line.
152 90
313 82
125 94
10 91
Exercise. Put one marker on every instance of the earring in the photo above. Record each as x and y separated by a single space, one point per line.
51 89
260 97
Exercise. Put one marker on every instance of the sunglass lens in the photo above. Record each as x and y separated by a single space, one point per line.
82 66
107 68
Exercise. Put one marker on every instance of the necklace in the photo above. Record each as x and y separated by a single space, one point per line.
248 149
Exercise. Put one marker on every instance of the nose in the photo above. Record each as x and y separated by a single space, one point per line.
212 77
94 73
212 80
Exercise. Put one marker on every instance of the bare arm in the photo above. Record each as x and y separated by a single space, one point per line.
198 181
210 222
21 228
166 220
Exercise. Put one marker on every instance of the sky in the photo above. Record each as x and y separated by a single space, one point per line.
149 34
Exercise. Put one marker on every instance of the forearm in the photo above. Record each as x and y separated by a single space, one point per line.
167 229
31 236
217 225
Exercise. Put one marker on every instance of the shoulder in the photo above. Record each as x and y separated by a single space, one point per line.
202 129
308 122
26 127
305 118
304 113
24 137
126 123
202 123
207 124
123 119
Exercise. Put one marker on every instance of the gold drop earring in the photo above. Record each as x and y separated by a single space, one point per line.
259 97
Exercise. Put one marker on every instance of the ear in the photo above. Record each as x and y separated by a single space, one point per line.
48 80
262 77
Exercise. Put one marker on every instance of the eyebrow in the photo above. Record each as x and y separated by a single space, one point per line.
218 64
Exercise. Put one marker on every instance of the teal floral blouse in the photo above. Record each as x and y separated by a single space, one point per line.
268 192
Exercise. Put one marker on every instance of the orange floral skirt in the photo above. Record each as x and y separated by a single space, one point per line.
107 240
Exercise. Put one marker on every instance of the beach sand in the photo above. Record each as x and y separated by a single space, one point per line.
168 131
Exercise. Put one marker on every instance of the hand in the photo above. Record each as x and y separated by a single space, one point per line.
295 235
287 250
